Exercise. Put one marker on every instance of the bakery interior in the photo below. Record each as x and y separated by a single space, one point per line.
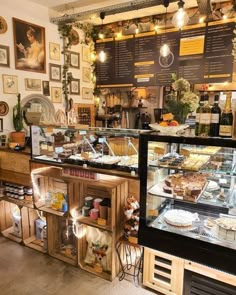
105 185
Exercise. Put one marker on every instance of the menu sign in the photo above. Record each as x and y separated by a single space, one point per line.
201 53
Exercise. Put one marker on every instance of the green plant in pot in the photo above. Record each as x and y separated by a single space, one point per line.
18 136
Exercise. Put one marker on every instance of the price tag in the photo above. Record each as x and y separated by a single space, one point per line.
153 212
49 130
58 149
102 221
159 150
185 152
85 155
133 240
82 132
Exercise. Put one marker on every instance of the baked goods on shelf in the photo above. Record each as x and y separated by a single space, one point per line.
225 228
180 218
195 162
212 186
207 150
187 185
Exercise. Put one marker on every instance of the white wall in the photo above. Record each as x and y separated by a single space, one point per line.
38 15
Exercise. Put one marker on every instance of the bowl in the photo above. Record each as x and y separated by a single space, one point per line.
169 130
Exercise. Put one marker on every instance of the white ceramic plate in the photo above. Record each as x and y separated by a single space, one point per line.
168 129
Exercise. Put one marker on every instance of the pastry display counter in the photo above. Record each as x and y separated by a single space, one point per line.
188 198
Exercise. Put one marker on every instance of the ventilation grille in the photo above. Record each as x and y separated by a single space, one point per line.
199 285
162 269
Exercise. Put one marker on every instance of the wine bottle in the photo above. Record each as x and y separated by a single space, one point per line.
198 114
226 120
205 117
215 117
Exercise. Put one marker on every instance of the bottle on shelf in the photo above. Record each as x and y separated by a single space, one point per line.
215 117
204 117
226 120
198 114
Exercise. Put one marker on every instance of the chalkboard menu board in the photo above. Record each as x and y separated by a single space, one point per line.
200 53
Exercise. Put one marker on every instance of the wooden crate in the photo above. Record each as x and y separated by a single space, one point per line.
30 237
94 258
16 162
163 272
9 228
120 146
62 243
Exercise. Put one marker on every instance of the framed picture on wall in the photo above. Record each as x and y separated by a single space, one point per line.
75 86
86 74
87 93
55 72
56 94
86 54
4 56
74 59
54 51
32 84
10 84
1 125
29 46
46 88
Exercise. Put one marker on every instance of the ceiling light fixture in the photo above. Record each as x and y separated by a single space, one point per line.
102 55
180 18
165 49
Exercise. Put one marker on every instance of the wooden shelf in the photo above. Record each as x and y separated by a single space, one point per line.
18 202
90 269
9 233
61 256
52 211
93 223
35 244
15 177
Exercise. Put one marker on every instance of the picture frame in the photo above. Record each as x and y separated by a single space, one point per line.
29 46
74 59
4 56
56 94
54 51
87 93
86 74
10 84
75 86
54 72
46 88
1 125
32 84
86 54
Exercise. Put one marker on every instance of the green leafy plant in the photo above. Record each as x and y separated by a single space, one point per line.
18 115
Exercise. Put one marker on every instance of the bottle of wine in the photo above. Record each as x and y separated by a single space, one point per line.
215 117
204 117
226 120
198 114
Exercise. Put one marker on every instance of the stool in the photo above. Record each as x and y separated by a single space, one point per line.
130 258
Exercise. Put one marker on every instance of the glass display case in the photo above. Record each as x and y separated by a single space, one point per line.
188 198
94 148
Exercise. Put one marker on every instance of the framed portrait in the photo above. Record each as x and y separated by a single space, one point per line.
32 84
55 72
46 88
75 86
86 75
10 84
4 56
74 59
54 51
29 46
87 93
86 54
56 94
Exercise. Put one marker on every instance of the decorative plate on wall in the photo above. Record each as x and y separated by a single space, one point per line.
3 25
4 108
74 36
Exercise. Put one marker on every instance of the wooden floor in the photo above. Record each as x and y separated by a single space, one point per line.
24 271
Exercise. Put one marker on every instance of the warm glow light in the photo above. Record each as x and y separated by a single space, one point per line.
93 56
156 28
102 56
137 31
180 18
224 16
165 50
201 19
101 36
119 35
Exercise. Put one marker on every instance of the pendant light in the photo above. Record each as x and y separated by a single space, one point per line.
102 54
180 18
165 49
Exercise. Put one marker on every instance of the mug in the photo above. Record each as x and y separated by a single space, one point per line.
88 202
85 211
96 203
93 213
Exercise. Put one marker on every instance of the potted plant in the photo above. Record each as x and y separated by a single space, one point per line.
18 136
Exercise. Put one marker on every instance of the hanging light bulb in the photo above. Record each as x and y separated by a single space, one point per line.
165 50
180 18
102 56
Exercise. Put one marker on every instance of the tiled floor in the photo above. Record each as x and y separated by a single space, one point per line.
24 271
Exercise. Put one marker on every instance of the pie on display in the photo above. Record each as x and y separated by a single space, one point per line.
180 218
4 108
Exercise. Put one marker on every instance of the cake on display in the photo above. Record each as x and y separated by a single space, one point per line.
225 228
180 218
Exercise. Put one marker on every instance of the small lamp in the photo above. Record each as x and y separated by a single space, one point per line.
165 49
180 18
